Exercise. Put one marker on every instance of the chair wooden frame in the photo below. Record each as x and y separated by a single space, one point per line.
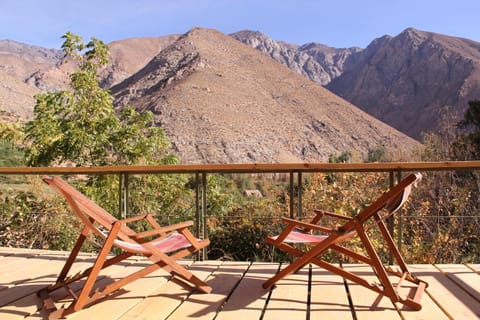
357 226
169 244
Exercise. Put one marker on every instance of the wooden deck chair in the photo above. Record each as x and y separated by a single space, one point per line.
162 245
353 227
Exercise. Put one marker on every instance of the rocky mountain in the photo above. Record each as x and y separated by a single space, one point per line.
313 60
25 71
404 81
130 55
220 100
407 80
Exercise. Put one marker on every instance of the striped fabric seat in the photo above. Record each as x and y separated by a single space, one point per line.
298 236
173 242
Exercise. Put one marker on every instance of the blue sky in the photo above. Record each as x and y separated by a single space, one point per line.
338 24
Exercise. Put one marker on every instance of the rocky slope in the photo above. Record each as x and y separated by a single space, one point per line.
313 60
222 101
405 81
130 55
25 71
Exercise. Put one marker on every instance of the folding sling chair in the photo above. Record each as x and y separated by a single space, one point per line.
161 245
353 227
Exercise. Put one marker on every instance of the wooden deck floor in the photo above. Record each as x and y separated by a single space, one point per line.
453 292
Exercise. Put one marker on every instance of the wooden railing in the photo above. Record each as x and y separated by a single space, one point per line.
295 170
201 170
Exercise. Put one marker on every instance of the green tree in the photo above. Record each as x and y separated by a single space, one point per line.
10 136
342 158
378 154
80 125
471 136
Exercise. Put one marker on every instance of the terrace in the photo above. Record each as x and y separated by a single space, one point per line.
312 293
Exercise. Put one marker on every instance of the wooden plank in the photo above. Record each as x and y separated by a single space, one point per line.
329 298
475 267
444 296
3 255
39 280
36 280
453 300
62 298
249 298
289 297
162 302
24 252
21 308
222 281
12 261
21 299
430 310
32 268
127 297
10 250
366 303
464 277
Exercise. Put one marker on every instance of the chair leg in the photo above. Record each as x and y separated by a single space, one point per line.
83 298
377 266
163 260
391 245
73 255
301 261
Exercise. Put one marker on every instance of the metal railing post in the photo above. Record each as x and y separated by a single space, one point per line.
197 205
204 213
292 191
127 193
201 211
400 219
299 194
120 196
123 195
391 219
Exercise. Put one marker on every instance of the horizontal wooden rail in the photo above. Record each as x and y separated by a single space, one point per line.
250 168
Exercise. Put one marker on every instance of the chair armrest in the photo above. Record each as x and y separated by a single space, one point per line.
176 226
164 230
331 214
135 218
147 217
308 226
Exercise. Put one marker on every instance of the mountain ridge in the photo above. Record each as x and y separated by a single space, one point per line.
403 80
390 80
222 101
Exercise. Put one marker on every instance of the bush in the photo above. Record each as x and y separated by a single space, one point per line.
29 220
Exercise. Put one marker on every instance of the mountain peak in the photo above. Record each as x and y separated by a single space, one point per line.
249 34
406 80
31 53
414 36
222 101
